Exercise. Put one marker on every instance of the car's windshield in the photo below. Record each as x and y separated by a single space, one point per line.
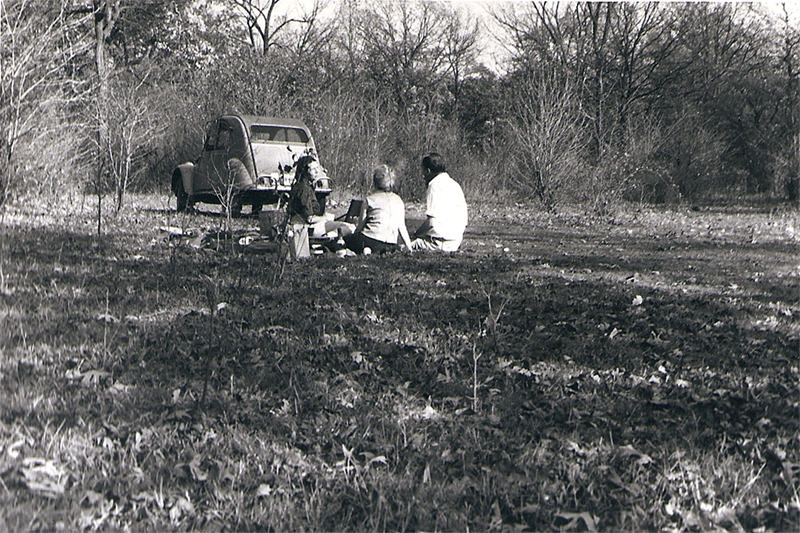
279 134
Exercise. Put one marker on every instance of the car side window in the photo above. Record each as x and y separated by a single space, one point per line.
278 134
295 135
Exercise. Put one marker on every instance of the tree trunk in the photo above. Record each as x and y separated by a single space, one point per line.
105 15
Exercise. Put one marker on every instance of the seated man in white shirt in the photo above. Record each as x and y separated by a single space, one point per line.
446 209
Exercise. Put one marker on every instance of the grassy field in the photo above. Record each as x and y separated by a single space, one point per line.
639 372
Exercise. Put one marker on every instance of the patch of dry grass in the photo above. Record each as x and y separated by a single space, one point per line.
637 372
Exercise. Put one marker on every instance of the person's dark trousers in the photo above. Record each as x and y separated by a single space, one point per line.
358 241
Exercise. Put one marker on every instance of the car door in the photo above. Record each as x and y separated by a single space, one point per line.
204 166
219 157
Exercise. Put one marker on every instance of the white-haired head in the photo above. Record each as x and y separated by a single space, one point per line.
383 177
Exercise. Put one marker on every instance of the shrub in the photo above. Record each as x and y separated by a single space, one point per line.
354 134
427 133
692 155
182 136
134 131
630 167
547 134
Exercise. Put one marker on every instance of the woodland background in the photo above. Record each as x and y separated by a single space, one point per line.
588 103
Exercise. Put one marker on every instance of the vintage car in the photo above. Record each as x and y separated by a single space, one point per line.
247 160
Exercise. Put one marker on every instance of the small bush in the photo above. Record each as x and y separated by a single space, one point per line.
424 134
352 135
548 138
692 156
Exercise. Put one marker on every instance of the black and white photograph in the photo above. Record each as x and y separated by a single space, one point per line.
399 265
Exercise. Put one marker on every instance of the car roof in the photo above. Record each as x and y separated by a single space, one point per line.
249 120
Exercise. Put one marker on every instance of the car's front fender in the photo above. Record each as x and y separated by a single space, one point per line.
185 173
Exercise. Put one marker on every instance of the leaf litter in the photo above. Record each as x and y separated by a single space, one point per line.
639 376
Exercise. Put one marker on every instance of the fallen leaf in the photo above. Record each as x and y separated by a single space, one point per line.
791 472
91 498
630 451
576 448
92 377
196 469
428 413
497 518
44 476
573 518
181 507
13 449
378 459
143 496
119 388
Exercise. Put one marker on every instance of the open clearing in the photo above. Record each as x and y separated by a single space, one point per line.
562 371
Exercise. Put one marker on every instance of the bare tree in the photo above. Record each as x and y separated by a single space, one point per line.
132 131
264 23
403 51
790 66
617 54
348 40
460 51
644 44
310 38
106 13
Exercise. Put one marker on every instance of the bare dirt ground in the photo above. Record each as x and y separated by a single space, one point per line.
560 372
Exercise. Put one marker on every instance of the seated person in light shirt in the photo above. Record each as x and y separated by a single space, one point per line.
383 218
446 209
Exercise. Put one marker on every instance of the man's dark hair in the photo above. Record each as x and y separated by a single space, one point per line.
434 162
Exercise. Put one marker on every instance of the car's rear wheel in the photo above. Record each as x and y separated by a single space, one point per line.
182 199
